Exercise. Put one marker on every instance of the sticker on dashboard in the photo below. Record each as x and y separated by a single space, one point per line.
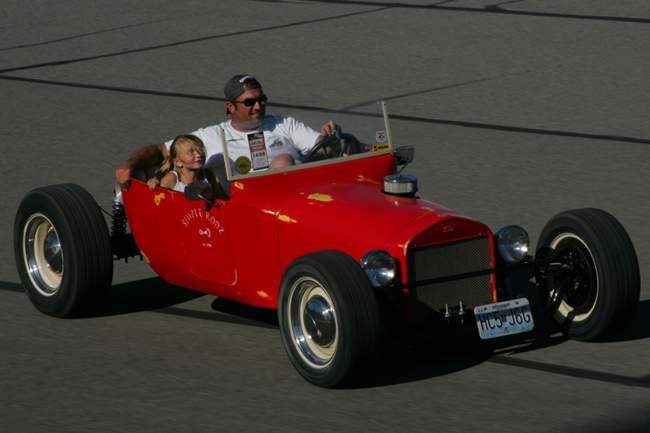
380 147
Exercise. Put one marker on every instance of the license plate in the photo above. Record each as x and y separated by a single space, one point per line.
504 318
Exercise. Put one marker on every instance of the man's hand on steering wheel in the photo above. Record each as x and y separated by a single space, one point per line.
331 142
328 136
328 129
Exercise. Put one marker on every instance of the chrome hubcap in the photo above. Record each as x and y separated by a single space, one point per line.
43 254
319 321
313 323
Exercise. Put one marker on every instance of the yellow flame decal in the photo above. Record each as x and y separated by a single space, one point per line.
428 211
365 179
286 219
321 197
263 295
238 185
158 197
145 257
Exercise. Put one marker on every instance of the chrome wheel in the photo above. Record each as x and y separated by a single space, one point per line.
328 317
312 321
43 254
581 295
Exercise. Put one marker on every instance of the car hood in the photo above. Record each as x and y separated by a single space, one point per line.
354 217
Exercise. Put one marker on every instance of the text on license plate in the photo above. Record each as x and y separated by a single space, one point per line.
504 318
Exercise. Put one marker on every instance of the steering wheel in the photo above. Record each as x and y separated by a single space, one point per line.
350 146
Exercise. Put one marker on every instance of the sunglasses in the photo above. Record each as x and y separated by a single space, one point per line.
250 102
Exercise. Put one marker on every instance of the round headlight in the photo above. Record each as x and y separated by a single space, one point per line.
513 243
379 266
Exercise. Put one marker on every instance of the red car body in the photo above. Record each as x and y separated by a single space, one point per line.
240 249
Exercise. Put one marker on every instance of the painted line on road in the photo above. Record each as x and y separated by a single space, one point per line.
517 129
492 9
643 381
189 41
11 287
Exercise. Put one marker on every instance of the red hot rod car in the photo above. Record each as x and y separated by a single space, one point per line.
341 247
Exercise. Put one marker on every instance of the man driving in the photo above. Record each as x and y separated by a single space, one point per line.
255 141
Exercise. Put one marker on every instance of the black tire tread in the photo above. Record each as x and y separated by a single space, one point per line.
96 244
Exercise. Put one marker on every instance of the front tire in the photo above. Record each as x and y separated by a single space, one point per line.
62 250
329 319
602 280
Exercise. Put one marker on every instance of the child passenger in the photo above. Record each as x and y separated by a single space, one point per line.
184 165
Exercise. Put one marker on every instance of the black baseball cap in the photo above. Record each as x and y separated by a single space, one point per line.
238 85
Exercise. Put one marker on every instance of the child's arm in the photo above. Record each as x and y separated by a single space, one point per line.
169 181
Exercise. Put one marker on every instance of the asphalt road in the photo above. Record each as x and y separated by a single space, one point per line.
517 111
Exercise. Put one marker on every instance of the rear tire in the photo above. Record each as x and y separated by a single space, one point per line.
329 319
603 286
62 250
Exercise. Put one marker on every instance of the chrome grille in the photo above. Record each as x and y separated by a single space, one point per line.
443 260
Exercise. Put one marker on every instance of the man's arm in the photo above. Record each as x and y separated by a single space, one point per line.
142 158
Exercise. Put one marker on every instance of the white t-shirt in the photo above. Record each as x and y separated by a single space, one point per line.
180 186
253 151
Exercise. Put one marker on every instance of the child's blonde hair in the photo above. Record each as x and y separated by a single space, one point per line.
168 163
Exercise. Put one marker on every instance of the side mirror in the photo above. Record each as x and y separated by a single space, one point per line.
404 156
198 191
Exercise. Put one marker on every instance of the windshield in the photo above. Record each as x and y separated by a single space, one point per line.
364 133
